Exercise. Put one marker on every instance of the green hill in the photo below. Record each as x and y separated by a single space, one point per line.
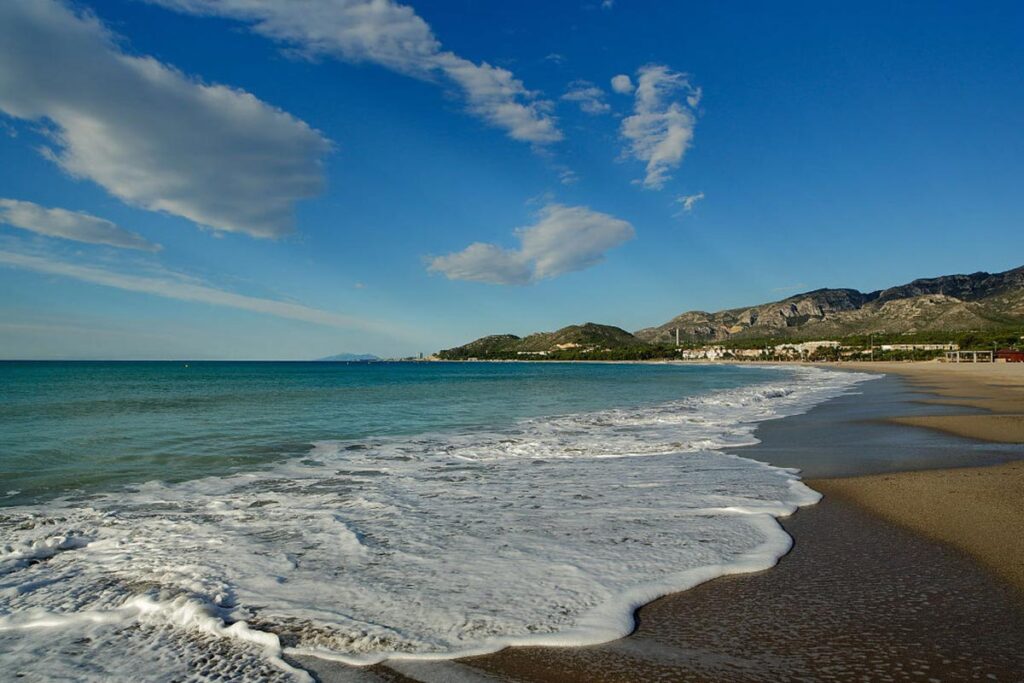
571 341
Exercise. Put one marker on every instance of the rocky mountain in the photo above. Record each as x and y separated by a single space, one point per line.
951 302
588 336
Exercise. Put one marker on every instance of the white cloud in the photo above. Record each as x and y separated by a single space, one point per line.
497 96
660 131
622 84
173 286
147 133
688 201
563 240
392 35
589 97
70 225
481 262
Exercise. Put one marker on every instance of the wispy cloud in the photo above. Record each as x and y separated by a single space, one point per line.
566 175
564 239
147 133
688 201
497 96
172 286
392 35
660 130
70 225
588 96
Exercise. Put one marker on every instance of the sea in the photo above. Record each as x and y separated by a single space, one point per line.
210 520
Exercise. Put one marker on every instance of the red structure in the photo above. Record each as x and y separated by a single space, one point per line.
1010 356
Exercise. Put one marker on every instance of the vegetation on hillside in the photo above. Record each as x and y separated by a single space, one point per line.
978 311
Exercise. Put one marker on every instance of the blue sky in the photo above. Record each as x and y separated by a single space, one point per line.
260 179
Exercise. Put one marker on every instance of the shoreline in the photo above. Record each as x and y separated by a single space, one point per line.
996 389
873 506
976 510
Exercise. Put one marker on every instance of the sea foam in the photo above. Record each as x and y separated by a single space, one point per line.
549 532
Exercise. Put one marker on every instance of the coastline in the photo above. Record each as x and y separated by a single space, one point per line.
866 568
878 584
974 509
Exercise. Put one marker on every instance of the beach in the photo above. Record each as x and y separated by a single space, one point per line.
427 514
977 510
909 569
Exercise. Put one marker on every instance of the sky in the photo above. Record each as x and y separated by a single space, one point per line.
290 179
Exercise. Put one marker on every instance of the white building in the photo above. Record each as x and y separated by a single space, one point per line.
920 347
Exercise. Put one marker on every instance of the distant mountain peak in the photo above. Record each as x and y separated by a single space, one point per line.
350 358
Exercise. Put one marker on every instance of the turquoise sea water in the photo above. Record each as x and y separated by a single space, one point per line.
212 520
87 426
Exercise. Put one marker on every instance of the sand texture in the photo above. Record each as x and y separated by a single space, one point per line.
979 510
997 388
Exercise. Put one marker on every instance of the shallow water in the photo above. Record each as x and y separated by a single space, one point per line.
365 512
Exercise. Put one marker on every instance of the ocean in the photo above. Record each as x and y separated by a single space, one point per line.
212 518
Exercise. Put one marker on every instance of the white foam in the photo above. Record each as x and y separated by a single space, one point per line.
424 547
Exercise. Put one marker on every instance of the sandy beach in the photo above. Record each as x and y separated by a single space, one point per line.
977 510
997 389
895 575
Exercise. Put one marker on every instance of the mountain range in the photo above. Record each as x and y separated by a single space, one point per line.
950 303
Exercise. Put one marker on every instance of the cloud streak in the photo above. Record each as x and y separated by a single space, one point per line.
150 135
392 35
564 239
70 225
660 130
171 286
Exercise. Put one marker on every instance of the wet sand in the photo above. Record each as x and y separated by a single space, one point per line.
995 388
856 599
977 509
880 585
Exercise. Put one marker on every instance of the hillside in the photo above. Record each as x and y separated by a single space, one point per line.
943 305
953 302
589 337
